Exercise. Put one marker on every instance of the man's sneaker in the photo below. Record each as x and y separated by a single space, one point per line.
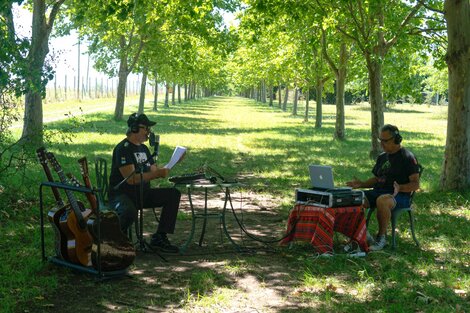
161 242
379 244
370 239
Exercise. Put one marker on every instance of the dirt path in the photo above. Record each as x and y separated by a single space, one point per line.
213 277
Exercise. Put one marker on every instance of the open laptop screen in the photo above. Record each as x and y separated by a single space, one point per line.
321 177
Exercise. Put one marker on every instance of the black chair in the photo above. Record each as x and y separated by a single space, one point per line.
101 170
397 212
102 183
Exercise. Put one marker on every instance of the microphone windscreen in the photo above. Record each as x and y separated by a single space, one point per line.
152 139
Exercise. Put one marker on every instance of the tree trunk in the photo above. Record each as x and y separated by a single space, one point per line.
167 95
279 98
121 89
307 100
340 84
271 93
286 96
456 168
143 86
263 91
41 29
173 94
319 113
179 93
155 96
296 101
376 104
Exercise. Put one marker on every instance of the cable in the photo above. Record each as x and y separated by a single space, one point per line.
243 228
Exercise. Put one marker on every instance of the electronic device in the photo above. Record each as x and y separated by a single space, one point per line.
321 178
329 199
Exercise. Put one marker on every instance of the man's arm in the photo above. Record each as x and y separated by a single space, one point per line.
154 172
408 187
356 183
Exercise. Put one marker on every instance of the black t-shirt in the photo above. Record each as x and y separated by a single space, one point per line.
397 167
126 153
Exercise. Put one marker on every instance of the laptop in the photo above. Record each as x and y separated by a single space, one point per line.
321 178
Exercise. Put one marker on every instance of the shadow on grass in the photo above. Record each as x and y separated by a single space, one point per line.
295 279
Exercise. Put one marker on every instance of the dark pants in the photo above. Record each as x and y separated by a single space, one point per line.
167 198
402 200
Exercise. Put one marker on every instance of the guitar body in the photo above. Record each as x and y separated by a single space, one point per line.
60 237
79 241
56 212
116 251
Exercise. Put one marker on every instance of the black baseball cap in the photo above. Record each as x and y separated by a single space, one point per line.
139 119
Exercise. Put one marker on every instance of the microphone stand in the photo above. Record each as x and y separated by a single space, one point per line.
139 229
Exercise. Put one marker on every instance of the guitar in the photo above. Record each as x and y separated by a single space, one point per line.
116 251
73 223
56 212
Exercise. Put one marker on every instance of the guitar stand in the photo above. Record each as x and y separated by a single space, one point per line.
98 272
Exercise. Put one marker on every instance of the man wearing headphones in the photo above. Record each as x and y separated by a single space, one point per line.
396 175
131 156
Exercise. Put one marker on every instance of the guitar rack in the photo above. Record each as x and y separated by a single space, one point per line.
56 260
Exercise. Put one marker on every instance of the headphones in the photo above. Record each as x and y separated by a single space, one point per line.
133 123
397 138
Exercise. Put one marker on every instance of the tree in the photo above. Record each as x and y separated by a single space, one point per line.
36 75
375 27
456 166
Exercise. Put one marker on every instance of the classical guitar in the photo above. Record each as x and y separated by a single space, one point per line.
116 251
73 223
56 212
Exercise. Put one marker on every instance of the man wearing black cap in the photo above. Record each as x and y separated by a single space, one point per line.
131 156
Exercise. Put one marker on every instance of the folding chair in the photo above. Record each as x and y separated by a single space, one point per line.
102 183
397 212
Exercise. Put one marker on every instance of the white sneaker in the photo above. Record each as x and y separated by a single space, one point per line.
379 244
370 239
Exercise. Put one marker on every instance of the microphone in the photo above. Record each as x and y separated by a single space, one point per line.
154 141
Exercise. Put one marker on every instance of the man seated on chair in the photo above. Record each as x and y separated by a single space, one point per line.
130 157
396 175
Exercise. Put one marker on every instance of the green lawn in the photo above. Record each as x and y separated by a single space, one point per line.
269 150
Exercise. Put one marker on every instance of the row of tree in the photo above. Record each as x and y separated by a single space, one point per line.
391 48
285 43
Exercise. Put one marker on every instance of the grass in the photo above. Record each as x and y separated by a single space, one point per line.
269 150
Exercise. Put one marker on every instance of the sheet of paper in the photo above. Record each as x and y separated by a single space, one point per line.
177 154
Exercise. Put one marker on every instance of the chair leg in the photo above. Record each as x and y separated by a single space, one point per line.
369 214
412 226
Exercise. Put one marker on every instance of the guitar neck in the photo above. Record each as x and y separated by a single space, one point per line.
58 199
41 153
72 200
86 179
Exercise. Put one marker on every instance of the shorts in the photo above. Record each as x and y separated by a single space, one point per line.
402 200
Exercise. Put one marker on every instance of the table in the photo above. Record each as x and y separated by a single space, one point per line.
206 215
317 225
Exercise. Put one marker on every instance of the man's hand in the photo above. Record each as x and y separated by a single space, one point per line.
396 188
355 183
162 172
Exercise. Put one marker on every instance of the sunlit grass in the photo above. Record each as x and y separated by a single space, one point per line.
272 149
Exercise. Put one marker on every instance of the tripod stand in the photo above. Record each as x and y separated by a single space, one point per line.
141 245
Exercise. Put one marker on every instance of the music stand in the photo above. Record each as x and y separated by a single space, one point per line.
142 245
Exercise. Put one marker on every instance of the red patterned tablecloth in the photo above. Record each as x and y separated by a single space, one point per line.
316 225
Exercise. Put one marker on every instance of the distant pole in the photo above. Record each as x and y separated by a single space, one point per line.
88 76
78 76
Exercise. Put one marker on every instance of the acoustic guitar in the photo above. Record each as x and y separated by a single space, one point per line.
73 223
56 212
116 250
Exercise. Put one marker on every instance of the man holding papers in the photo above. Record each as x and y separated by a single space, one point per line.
133 164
